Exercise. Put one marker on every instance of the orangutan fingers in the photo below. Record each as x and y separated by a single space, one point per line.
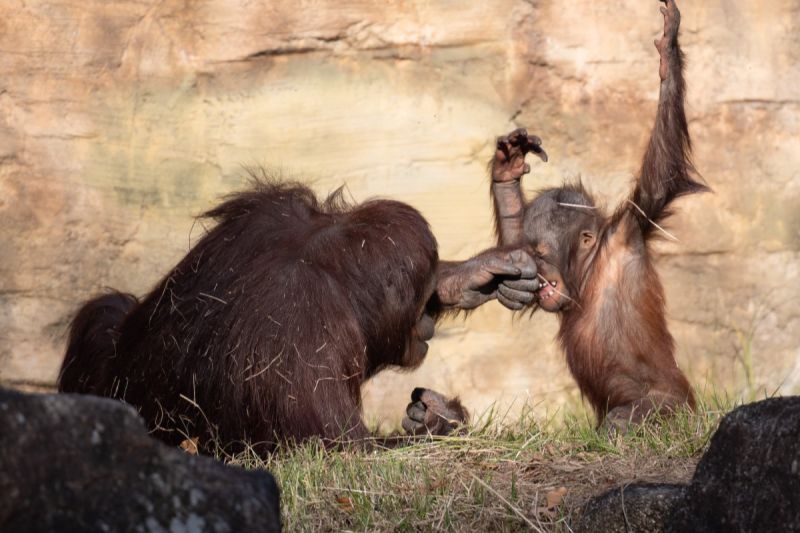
509 303
526 285
522 297
416 411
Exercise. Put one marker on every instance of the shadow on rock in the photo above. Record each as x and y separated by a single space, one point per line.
81 463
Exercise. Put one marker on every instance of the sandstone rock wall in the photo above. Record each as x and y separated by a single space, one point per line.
121 120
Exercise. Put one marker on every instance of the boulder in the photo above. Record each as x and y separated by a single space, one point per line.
82 463
640 507
749 479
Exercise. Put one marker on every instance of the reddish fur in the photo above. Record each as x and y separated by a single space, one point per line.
617 343
613 326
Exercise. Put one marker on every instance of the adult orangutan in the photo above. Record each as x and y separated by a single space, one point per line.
268 327
598 269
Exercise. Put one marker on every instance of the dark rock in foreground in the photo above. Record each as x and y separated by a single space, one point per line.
749 479
638 507
81 463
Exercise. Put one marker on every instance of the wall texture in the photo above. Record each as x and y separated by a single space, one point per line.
121 120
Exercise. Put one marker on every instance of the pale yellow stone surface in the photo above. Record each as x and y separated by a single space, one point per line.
119 121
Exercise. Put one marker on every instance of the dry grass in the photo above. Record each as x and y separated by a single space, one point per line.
501 476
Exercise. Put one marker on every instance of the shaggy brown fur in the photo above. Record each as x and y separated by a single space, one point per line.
599 269
268 327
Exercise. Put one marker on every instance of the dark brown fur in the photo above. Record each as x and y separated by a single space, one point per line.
607 291
268 327
263 332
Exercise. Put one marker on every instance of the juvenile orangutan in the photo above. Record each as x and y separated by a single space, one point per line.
597 270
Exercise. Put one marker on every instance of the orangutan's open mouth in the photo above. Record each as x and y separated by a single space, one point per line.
547 291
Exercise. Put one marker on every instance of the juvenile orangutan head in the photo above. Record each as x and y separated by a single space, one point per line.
562 225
